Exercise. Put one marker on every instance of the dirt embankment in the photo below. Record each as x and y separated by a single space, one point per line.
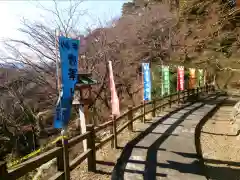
221 146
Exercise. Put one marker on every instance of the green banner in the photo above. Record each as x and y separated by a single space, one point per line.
200 77
165 80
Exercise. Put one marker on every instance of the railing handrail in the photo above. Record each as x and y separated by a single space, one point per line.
61 151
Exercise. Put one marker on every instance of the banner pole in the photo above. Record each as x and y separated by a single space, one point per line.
57 62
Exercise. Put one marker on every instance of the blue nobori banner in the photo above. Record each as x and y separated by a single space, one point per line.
146 82
68 49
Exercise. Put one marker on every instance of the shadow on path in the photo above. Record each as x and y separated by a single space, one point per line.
151 163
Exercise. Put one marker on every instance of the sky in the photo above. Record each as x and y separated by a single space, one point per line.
12 12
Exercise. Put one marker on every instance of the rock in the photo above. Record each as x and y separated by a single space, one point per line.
43 168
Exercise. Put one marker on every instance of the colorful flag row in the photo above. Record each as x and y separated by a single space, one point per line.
196 78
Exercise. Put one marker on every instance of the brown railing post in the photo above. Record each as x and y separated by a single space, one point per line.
130 117
91 145
114 133
184 96
144 111
170 100
111 131
188 93
213 88
63 158
197 92
60 159
154 108
159 103
66 158
178 97
3 170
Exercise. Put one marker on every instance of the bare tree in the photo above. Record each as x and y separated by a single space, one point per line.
32 61
129 41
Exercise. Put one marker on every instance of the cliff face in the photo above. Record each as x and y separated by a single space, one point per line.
206 35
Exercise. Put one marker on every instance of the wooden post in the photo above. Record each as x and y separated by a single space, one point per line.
183 95
3 170
170 101
188 93
213 88
111 132
144 111
66 159
158 102
197 92
178 97
114 132
154 108
60 159
91 145
130 117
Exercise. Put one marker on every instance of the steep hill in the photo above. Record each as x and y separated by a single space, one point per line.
206 35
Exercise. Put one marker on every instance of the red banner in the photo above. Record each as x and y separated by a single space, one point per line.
180 78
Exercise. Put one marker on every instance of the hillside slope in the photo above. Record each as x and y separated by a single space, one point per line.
206 35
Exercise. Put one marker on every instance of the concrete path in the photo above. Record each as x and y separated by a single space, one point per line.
165 148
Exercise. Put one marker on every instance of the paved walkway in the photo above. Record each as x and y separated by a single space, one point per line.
165 148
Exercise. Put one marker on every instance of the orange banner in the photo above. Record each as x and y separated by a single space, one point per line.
192 78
